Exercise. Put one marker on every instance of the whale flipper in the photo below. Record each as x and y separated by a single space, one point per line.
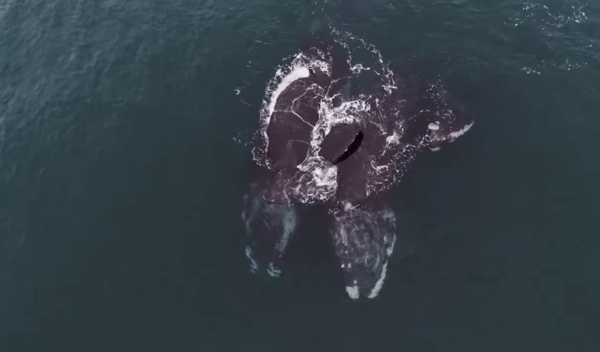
447 127
364 240
269 227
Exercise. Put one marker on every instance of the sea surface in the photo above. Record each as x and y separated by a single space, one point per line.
125 154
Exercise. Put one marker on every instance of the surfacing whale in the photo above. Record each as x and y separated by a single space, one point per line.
339 127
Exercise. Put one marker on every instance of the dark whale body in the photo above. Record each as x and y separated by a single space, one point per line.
325 145
351 148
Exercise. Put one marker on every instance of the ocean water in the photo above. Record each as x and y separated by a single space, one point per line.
124 159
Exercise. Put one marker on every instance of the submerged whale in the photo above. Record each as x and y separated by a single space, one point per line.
339 127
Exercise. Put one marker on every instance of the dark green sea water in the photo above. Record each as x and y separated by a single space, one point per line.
122 176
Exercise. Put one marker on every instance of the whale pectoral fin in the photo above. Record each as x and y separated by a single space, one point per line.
444 132
269 228
453 122
364 241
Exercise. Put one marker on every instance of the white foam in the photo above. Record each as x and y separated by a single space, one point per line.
273 271
353 292
358 68
318 182
325 176
393 139
296 73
